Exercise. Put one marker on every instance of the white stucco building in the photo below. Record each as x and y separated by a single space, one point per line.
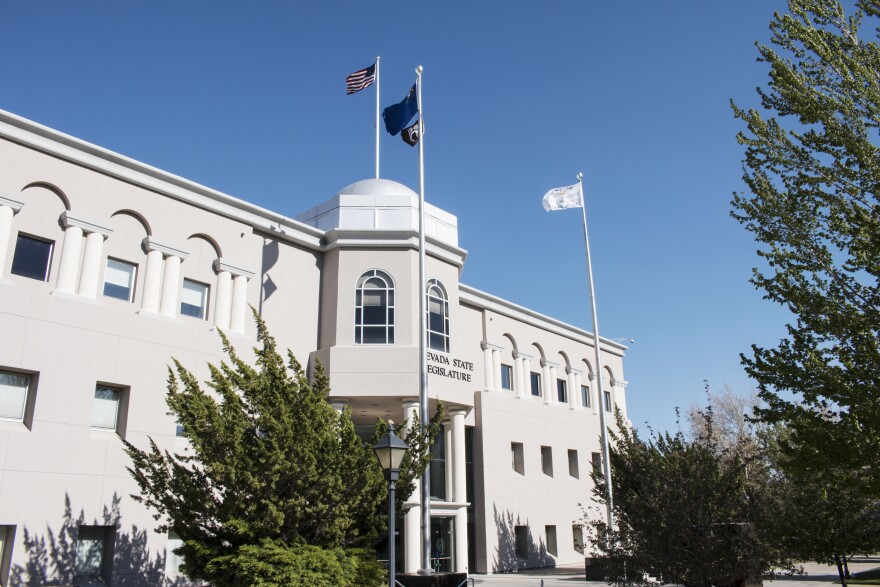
110 267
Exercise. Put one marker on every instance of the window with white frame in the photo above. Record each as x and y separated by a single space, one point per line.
608 406
105 410
506 377
14 389
585 396
535 379
32 257
173 561
438 317
374 309
561 391
194 299
119 279
94 551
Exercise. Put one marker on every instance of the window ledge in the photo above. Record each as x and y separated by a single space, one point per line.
13 426
77 297
104 434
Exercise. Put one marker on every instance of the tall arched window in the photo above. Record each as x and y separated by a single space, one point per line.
438 317
374 309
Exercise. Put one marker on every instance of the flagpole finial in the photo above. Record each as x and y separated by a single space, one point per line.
419 70
580 176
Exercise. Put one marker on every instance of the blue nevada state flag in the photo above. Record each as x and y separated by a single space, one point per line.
398 116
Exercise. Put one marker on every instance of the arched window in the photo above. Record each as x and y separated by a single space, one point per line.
374 309
438 317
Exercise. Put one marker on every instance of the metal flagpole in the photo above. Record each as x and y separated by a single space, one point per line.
377 117
606 452
423 335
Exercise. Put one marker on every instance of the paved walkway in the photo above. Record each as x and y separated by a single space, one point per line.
814 576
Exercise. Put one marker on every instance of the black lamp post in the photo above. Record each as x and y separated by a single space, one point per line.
390 450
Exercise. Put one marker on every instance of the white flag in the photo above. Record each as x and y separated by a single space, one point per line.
563 198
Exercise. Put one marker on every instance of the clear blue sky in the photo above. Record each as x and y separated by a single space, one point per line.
248 98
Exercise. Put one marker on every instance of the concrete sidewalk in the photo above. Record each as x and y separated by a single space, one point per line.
814 576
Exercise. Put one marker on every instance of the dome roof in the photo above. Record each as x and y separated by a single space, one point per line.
376 187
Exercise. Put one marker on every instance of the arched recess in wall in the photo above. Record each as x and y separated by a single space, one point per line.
535 378
607 387
65 201
124 261
510 377
588 379
199 285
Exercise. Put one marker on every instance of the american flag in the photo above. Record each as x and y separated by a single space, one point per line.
360 79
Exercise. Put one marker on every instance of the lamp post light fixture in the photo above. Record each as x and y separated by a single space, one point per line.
390 451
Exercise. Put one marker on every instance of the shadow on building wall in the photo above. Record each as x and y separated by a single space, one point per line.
516 548
51 556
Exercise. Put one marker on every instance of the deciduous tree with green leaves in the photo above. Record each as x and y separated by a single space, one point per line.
812 167
275 483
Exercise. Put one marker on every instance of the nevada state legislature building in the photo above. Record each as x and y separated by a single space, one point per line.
110 267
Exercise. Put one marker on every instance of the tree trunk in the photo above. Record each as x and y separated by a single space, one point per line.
843 576
846 567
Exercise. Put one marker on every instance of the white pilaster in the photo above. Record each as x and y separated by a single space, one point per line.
496 367
239 303
68 269
8 208
576 376
548 386
223 301
152 282
91 266
460 488
449 456
518 374
170 286
487 365
526 375
412 519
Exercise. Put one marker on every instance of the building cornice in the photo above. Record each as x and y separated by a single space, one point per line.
46 140
68 219
392 239
169 250
482 300
234 269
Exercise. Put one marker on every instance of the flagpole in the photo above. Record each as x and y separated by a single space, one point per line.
377 117
423 336
606 452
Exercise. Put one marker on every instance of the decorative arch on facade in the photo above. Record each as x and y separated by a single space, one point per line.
565 360
137 216
52 188
211 241
374 308
438 316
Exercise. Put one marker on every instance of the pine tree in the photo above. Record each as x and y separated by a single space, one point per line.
812 167
274 475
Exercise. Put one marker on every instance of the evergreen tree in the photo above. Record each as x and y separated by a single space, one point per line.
274 475
812 167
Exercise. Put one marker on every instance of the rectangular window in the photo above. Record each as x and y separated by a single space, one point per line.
506 377
438 468
585 396
119 278
13 395
32 257
573 468
561 391
550 532
94 551
536 384
547 460
577 534
173 561
194 299
110 409
7 539
521 533
516 457
608 407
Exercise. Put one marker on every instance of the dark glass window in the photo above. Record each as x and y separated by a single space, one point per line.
561 391
506 377
438 468
585 396
536 384
374 309
608 407
31 258
438 317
